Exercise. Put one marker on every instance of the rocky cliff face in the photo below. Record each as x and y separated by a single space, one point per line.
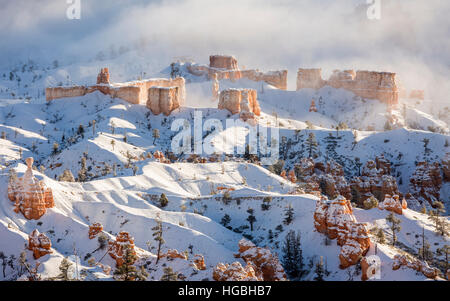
163 100
366 84
136 92
226 67
223 62
336 220
240 101
31 197
426 182
39 244
117 248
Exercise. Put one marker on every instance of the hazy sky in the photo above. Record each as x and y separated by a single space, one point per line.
412 37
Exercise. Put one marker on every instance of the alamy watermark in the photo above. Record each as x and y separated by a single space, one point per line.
73 12
237 137
374 9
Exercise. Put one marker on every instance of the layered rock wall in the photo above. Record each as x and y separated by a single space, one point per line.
223 62
366 84
240 101
163 100
136 92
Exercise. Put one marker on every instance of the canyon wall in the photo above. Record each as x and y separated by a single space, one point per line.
163 100
136 92
366 84
240 101
226 67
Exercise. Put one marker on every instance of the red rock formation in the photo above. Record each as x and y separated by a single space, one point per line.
366 84
224 67
336 220
417 94
172 254
243 101
223 62
312 107
374 182
446 167
103 76
199 262
426 182
117 247
30 196
392 203
235 272
265 263
40 244
292 176
94 230
309 78
136 92
215 87
163 100
417 265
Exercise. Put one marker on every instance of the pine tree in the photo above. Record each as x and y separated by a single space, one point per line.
113 143
425 252
251 218
266 203
289 215
435 215
155 135
381 237
128 271
82 173
66 176
311 144
158 236
320 270
163 201
444 251
292 255
64 268
80 131
169 275
226 219
55 148
395 226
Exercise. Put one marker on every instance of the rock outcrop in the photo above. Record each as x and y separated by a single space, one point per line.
215 88
240 101
416 265
199 262
426 182
312 107
39 244
135 92
393 204
417 94
374 181
94 230
366 84
336 220
223 62
235 272
117 248
172 254
163 100
226 67
103 77
31 196
266 264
